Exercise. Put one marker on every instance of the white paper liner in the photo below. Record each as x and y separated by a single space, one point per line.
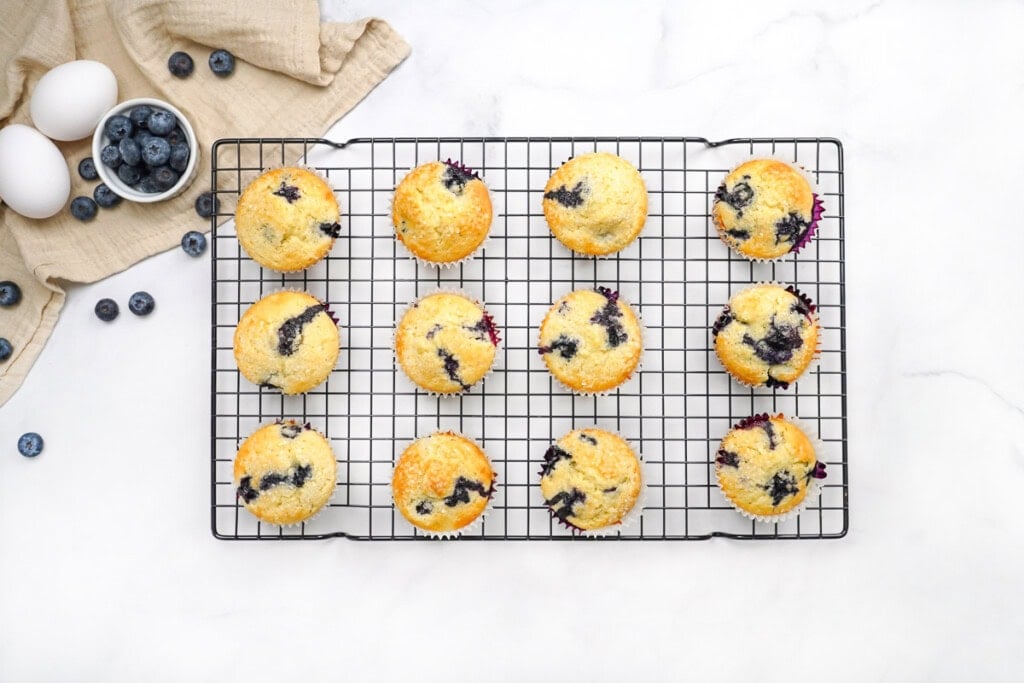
815 359
477 521
319 511
632 375
632 518
812 231
443 265
319 174
327 309
457 292
813 491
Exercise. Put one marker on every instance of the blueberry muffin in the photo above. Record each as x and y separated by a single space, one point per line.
441 212
764 466
591 340
287 341
442 482
287 219
285 472
590 479
596 204
446 342
765 209
767 335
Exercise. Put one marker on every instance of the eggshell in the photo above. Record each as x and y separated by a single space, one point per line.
70 99
34 178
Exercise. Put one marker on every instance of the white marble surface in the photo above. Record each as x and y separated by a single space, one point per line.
107 567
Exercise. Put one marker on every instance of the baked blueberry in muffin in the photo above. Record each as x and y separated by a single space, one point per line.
767 335
591 340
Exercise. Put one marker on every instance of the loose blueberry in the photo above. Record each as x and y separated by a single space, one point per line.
10 294
87 169
165 177
131 154
104 196
222 63
118 128
161 122
156 152
141 137
207 204
5 349
193 242
83 208
106 310
129 175
177 137
141 303
148 185
180 65
110 156
30 444
139 115
179 156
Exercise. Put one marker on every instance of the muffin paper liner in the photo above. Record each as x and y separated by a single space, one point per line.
631 518
414 302
772 384
813 492
341 215
817 210
477 522
327 309
444 265
636 371
320 510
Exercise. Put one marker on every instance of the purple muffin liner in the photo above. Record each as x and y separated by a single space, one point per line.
817 212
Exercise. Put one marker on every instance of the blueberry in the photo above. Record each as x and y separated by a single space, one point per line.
110 156
141 303
292 328
177 137
156 152
104 196
130 152
130 175
5 349
180 65
460 494
179 156
141 137
222 63
161 122
83 208
148 185
118 128
10 294
30 444
164 177
569 198
207 204
139 115
106 310
193 242
87 169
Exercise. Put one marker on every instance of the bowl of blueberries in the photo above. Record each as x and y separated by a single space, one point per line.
145 150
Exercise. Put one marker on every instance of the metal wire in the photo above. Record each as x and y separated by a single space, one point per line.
678 275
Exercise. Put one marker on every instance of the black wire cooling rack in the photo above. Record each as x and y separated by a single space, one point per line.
678 274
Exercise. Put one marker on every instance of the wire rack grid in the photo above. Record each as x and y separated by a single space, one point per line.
678 275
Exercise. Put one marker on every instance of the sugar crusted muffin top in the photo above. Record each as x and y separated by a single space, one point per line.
590 479
596 204
442 212
442 482
767 335
764 465
591 340
287 219
285 472
287 341
765 208
446 342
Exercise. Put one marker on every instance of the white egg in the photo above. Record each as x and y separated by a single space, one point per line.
70 99
34 178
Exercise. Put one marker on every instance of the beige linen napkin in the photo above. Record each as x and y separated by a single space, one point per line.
293 77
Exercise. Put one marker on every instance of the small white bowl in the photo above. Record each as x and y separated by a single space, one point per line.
109 175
